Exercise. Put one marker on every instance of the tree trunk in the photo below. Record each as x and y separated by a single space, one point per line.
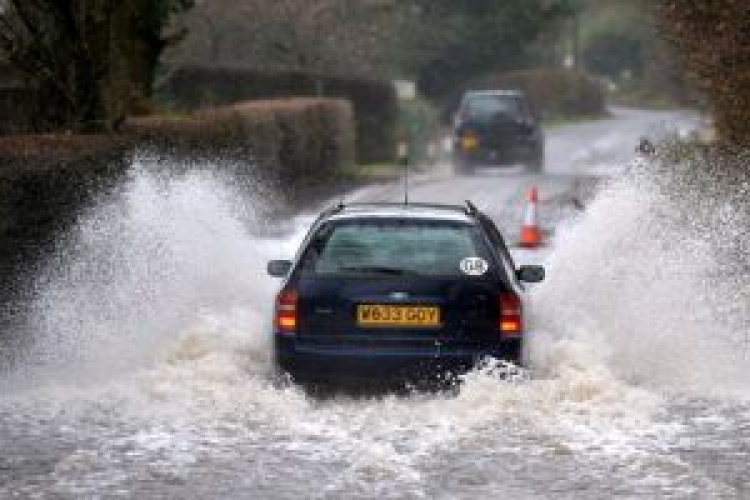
131 51
90 62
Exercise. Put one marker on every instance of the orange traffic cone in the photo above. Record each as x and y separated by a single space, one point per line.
531 235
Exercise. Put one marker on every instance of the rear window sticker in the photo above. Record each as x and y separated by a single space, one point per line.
474 266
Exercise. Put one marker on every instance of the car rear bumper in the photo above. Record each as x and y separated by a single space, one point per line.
522 153
339 363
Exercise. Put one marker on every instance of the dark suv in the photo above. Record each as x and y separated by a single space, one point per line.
494 128
398 292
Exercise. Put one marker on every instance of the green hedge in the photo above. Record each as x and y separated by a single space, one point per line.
46 180
556 93
375 102
293 140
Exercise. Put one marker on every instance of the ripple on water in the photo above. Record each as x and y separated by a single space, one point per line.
149 375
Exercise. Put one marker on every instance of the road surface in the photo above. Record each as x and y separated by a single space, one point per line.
146 374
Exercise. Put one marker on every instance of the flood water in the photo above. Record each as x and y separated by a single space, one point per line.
141 370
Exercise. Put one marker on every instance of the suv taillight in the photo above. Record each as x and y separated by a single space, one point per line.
285 316
510 321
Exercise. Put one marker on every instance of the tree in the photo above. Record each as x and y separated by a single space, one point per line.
90 63
438 42
457 41
713 37
619 40
330 37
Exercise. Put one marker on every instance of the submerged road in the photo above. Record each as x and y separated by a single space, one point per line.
147 374
578 156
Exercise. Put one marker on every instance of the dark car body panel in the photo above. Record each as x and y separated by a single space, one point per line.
328 308
306 361
329 344
506 137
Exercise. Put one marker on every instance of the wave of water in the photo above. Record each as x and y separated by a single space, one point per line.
648 282
151 352
141 267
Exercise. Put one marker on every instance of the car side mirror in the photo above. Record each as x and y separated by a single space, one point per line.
279 268
531 274
528 125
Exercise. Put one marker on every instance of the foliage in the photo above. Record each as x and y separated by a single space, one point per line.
618 41
614 55
46 181
330 37
294 141
616 36
59 147
89 63
438 42
721 68
375 107
455 41
555 93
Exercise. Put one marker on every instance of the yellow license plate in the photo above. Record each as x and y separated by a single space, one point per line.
383 315
469 142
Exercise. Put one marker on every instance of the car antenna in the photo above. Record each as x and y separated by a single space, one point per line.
403 159
406 183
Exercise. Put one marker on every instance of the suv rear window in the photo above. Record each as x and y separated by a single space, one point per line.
487 106
391 246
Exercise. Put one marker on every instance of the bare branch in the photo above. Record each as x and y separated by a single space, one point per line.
342 37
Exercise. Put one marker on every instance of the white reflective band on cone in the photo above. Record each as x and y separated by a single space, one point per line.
530 219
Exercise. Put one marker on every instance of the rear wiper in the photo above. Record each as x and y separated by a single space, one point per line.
379 270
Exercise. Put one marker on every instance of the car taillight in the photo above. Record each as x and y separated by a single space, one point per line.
469 140
286 312
510 322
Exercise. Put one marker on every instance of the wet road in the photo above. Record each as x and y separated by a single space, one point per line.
578 157
147 376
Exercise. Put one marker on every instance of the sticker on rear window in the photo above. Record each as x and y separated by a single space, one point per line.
474 266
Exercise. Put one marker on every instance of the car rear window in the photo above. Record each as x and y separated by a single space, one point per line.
388 246
487 106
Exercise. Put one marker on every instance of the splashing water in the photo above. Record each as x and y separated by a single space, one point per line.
159 302
646 288
632 291
141 267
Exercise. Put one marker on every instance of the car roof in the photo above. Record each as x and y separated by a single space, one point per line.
421 211
505 93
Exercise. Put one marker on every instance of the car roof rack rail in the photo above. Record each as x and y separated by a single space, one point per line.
338 207
469 208
436 206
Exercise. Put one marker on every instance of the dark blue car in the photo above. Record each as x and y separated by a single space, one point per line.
398 292
496 128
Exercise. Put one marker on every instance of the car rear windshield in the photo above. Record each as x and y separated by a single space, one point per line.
487 106
396 247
